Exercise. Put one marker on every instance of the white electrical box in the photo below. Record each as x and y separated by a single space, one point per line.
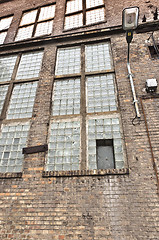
151 85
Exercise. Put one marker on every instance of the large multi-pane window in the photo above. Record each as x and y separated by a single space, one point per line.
85 129
19 74
83 12
4 25
36 22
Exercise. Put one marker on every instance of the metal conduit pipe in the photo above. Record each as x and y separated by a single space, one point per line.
135 101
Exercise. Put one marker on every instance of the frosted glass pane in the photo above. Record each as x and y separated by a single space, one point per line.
47 12
93 3
2 37
30 65
28 17
68 61
12 139
64 147
73 6
66 97
101 93
105 128
5 23
74 21
22 101
98 57
44 28
6 67
24 33
3 92
94 16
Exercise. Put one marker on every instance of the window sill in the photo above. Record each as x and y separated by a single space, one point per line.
11 175
95 172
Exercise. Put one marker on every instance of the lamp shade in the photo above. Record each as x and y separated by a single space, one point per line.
130 18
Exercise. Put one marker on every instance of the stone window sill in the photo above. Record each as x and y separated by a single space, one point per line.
79 173
11 175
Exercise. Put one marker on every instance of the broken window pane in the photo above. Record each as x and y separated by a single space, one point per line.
105 154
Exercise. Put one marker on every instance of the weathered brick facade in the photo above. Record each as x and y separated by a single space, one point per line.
110 204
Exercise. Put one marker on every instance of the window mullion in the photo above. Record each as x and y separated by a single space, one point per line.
10 88
83 110
36 22
84 12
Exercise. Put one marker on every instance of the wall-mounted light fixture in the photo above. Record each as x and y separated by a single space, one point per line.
130 22
130 18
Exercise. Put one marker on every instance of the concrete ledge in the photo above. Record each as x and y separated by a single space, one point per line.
96 172
11 175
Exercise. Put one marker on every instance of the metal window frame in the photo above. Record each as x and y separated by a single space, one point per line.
83 11
6 29
83 113
13 82
34 24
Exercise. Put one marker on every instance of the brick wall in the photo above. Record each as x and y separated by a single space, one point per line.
116 205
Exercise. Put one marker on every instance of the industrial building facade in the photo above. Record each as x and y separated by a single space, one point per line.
75 161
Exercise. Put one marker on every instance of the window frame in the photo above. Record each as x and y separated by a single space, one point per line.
35 23
13 81
84 116
6 29
84 12
22 122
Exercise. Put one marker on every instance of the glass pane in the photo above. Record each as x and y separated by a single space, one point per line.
101 93
22 101
47 12
66 97
30 65
68 61
24 33
12 139
73 6
104 129
98 57
93 3
5 23
6 67
94 16
2 37
74 21
64 146
44 28
28 17
3 92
